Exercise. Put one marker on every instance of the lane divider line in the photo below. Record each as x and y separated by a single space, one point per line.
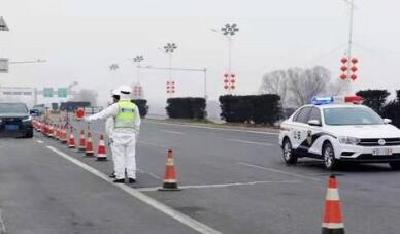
235 184
39 141
215 128
2 225
178 216
252 142
280 171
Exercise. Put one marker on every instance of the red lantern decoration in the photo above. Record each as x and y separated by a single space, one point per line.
232 87
233 75
343 60
354 68
354 77
354 60
226 80
233 81
343 76
226 74
226 86
343 68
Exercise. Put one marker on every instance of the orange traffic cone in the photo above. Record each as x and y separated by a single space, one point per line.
64 138
71 143
332 223
89 145
170 183
101 150
82 142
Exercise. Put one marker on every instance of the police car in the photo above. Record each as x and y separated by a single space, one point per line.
337 130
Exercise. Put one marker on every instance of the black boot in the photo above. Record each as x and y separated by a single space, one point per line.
112 175
119 180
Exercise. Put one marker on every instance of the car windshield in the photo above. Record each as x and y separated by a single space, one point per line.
351 116
13 108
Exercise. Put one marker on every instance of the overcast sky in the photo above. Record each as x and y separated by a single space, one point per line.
81 38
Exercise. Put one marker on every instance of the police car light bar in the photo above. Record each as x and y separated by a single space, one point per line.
329 100
322 100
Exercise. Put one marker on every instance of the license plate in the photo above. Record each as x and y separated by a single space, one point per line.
12 127
382 152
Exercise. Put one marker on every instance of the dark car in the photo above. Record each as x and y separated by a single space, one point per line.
15 120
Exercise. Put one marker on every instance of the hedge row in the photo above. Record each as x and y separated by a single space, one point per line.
142 105
186 108
258 109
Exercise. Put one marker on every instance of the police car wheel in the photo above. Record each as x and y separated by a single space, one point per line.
330 161
395 165
287 153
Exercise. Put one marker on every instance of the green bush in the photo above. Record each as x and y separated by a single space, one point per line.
186 108
376 99
260 109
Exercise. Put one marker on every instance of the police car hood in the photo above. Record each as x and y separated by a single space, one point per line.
365 131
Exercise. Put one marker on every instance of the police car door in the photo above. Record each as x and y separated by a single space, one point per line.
314 132
300 128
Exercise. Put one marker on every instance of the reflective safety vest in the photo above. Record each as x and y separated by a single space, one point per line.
126 116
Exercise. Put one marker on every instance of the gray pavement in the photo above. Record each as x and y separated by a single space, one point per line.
234 182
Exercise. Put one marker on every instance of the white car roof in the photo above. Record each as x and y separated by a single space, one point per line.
326 106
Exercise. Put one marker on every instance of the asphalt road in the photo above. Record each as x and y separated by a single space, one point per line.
232 181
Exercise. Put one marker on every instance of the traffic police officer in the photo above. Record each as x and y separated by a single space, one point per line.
126 127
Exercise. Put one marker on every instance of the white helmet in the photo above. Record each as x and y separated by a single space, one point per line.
115 92
125 90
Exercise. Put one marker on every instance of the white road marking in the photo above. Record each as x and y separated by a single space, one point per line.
178 216
173 132
2 226
280 171
252 142
39 141
219 129
235 184
150 174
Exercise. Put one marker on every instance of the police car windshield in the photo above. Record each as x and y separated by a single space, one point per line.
351 116
13 108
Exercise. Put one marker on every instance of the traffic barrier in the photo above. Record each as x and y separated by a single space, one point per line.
64 138
71 143
332 223
101 150
170 183
82 142
89 145
50 131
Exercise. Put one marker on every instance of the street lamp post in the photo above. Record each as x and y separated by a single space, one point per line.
169 49
137 89
349 76
229 31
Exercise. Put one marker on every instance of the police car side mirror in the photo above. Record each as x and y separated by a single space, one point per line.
315 123
387 121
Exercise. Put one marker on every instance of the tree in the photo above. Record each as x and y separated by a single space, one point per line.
296 86
86 95
376 99
276 82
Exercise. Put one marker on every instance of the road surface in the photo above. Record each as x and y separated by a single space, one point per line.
232 181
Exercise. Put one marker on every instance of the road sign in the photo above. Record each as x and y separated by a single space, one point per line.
48 92
3 65
3 25
62 92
